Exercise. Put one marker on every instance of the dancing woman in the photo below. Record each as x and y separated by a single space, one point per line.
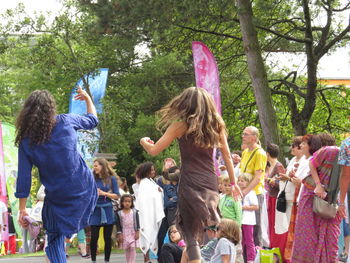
49 142
192 118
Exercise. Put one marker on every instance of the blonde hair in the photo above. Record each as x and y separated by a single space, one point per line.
195 107
165 160
226 179
229 229
246 177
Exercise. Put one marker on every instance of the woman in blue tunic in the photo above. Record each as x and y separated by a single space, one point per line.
49 142
103 215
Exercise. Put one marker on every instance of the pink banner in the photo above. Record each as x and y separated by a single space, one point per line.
206 71
207 77
4 234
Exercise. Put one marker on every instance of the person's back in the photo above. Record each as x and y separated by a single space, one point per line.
59 161
49 142
195 160
224 247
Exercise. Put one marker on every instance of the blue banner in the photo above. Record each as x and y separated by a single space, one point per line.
88 140
97 83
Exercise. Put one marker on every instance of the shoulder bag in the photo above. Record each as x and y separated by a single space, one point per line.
281 204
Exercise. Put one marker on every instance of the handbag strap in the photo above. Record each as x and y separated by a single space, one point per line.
246 165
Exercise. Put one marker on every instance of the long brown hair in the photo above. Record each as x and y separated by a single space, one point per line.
196 108
106 171
37 118
229 229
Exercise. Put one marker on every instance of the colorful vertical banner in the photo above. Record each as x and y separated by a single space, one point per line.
3 198
97 84
207 77
88 140
206 71
10 152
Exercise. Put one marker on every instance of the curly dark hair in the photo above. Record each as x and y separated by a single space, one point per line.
143 170
37 118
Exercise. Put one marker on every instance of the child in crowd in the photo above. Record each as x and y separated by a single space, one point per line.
150 205
249 205
207 251
228 234
220 187
128 227
172 252
230 208
170 193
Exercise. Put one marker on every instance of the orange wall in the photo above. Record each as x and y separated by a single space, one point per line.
335 82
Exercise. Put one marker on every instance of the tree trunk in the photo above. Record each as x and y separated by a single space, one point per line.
257 72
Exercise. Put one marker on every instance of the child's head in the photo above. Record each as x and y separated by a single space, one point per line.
174 234
126 201
229 229
211 231
167 163
220 184
172 174
196 108
226 186
244 180
145 170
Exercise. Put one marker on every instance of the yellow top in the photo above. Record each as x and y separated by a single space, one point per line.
257 162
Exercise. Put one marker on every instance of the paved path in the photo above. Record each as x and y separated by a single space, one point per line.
115 258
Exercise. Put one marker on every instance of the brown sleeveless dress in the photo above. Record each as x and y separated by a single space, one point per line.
198 195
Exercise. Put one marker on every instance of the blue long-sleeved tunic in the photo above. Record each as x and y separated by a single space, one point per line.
104 203
70 188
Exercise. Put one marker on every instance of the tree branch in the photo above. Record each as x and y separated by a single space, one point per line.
324 99
334 41
243 106
329 88
277 33
325 30
209 32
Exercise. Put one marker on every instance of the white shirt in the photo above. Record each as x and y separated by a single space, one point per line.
290 187
303 171
304 167
248 217
224 247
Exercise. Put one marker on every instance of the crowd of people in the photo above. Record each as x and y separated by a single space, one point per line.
191 212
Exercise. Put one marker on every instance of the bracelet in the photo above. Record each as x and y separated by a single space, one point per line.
341 204
232 183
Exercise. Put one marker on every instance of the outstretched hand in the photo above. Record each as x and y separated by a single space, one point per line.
146 140
82 94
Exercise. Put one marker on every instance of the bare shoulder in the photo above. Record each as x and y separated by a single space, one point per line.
178 128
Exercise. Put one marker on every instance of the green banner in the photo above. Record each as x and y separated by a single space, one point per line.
11 169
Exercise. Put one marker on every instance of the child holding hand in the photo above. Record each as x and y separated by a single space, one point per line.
249 205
